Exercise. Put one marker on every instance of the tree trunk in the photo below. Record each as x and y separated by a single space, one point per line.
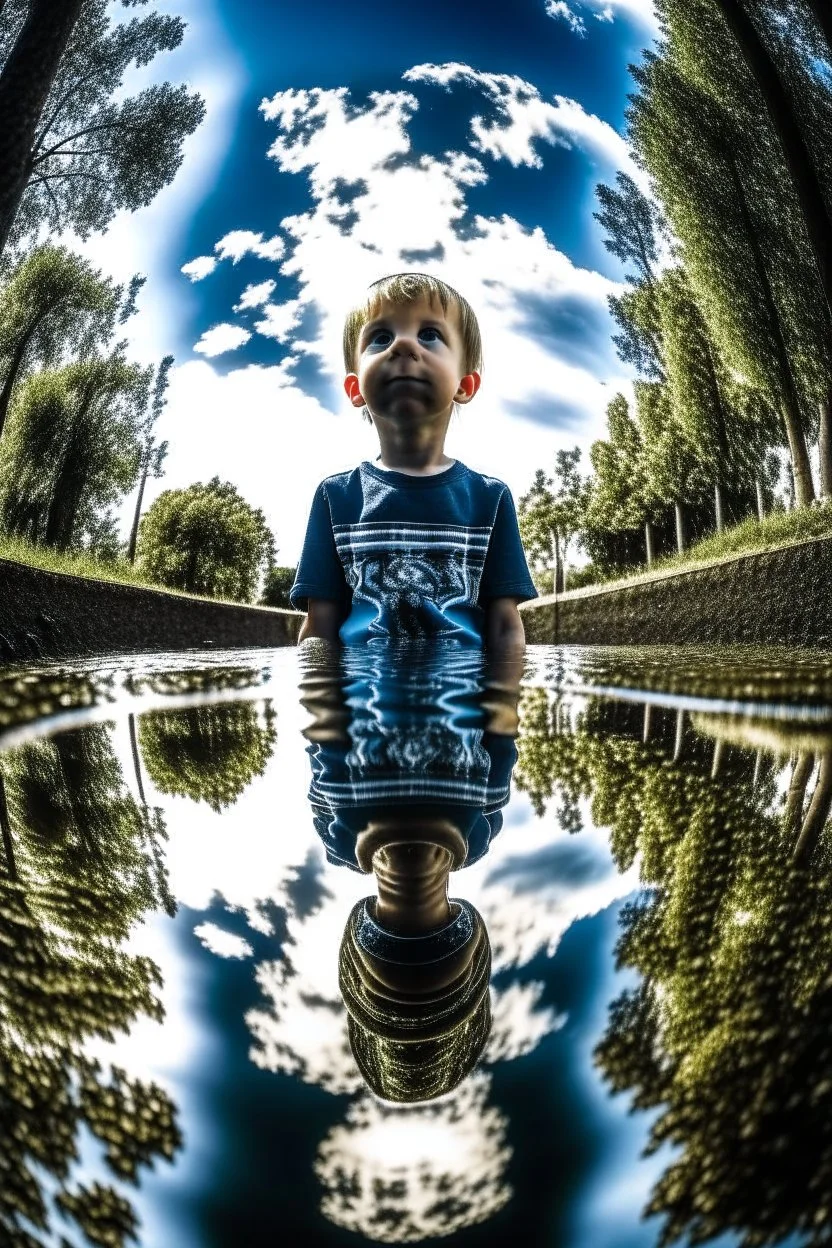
786 124
680 735
790 401
14 368
134 532
680 528
557 579
804 488
719 747
137 768
720 522
818 812
758 770
761 502
6 831
645 736
793 813
25 83
648 542
825 445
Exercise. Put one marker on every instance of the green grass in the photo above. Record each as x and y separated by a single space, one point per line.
777 529
84 564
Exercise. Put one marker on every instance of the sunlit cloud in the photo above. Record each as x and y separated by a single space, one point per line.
238 243
403 1174
525 117
255 295
201 267
221 338
560 9
642 11
223 944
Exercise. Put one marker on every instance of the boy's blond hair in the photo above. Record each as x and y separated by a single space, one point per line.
407 288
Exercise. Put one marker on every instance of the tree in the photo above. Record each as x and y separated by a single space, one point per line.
71 156
619 499
635 226
278 582
731 205
71 449
85 872
152 453
551 513
205 539
724 428
207 753
54 305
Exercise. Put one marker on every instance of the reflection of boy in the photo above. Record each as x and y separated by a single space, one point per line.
416 544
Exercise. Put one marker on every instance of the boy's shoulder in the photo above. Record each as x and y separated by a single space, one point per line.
351 476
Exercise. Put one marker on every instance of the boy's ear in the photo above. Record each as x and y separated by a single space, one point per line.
468 387
353 391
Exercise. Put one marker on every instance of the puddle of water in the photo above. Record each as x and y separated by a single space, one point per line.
404 949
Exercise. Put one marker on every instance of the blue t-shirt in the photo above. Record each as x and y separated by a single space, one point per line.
412 556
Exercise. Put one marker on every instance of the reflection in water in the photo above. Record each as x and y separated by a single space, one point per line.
378 990
207 753
727 1035
80 868
411 758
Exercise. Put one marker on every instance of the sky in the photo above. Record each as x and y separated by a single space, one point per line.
344 142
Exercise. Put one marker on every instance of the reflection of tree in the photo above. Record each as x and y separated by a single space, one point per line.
729 1034
208 753
80 866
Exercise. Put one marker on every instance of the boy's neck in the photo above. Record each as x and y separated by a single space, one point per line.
417 452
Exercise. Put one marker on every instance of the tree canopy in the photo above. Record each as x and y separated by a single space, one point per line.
205 539
75 147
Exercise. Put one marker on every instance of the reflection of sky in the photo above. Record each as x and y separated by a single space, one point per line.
255 1046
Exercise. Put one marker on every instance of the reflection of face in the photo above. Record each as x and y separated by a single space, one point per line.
410 360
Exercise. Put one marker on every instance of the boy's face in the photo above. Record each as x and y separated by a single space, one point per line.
410 363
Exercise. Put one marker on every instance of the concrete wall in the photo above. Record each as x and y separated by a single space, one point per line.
776 597
51 615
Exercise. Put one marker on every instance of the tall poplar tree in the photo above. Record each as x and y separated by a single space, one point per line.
73 149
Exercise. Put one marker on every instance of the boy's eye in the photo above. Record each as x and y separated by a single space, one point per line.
379 338
430 333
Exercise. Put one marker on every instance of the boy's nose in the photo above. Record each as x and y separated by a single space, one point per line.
405 344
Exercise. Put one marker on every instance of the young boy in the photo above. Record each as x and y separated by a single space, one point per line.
415 544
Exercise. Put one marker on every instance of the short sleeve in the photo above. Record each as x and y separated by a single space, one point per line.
506 573
319 574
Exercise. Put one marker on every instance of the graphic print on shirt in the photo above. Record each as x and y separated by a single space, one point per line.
412 573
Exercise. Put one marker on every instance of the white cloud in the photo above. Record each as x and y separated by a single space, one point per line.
238 243
560 9
376 207
223 944
221 338
279 319
524 117
642 11
199 268
254 296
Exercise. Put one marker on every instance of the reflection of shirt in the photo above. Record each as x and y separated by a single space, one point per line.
412 556
416 737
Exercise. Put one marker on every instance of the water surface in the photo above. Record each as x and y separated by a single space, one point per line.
186 1060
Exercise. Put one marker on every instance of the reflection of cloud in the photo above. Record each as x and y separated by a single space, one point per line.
399 1174
223 944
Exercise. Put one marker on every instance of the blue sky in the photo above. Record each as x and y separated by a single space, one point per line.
345 142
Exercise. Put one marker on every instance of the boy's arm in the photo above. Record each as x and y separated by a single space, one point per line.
323 619
503 626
